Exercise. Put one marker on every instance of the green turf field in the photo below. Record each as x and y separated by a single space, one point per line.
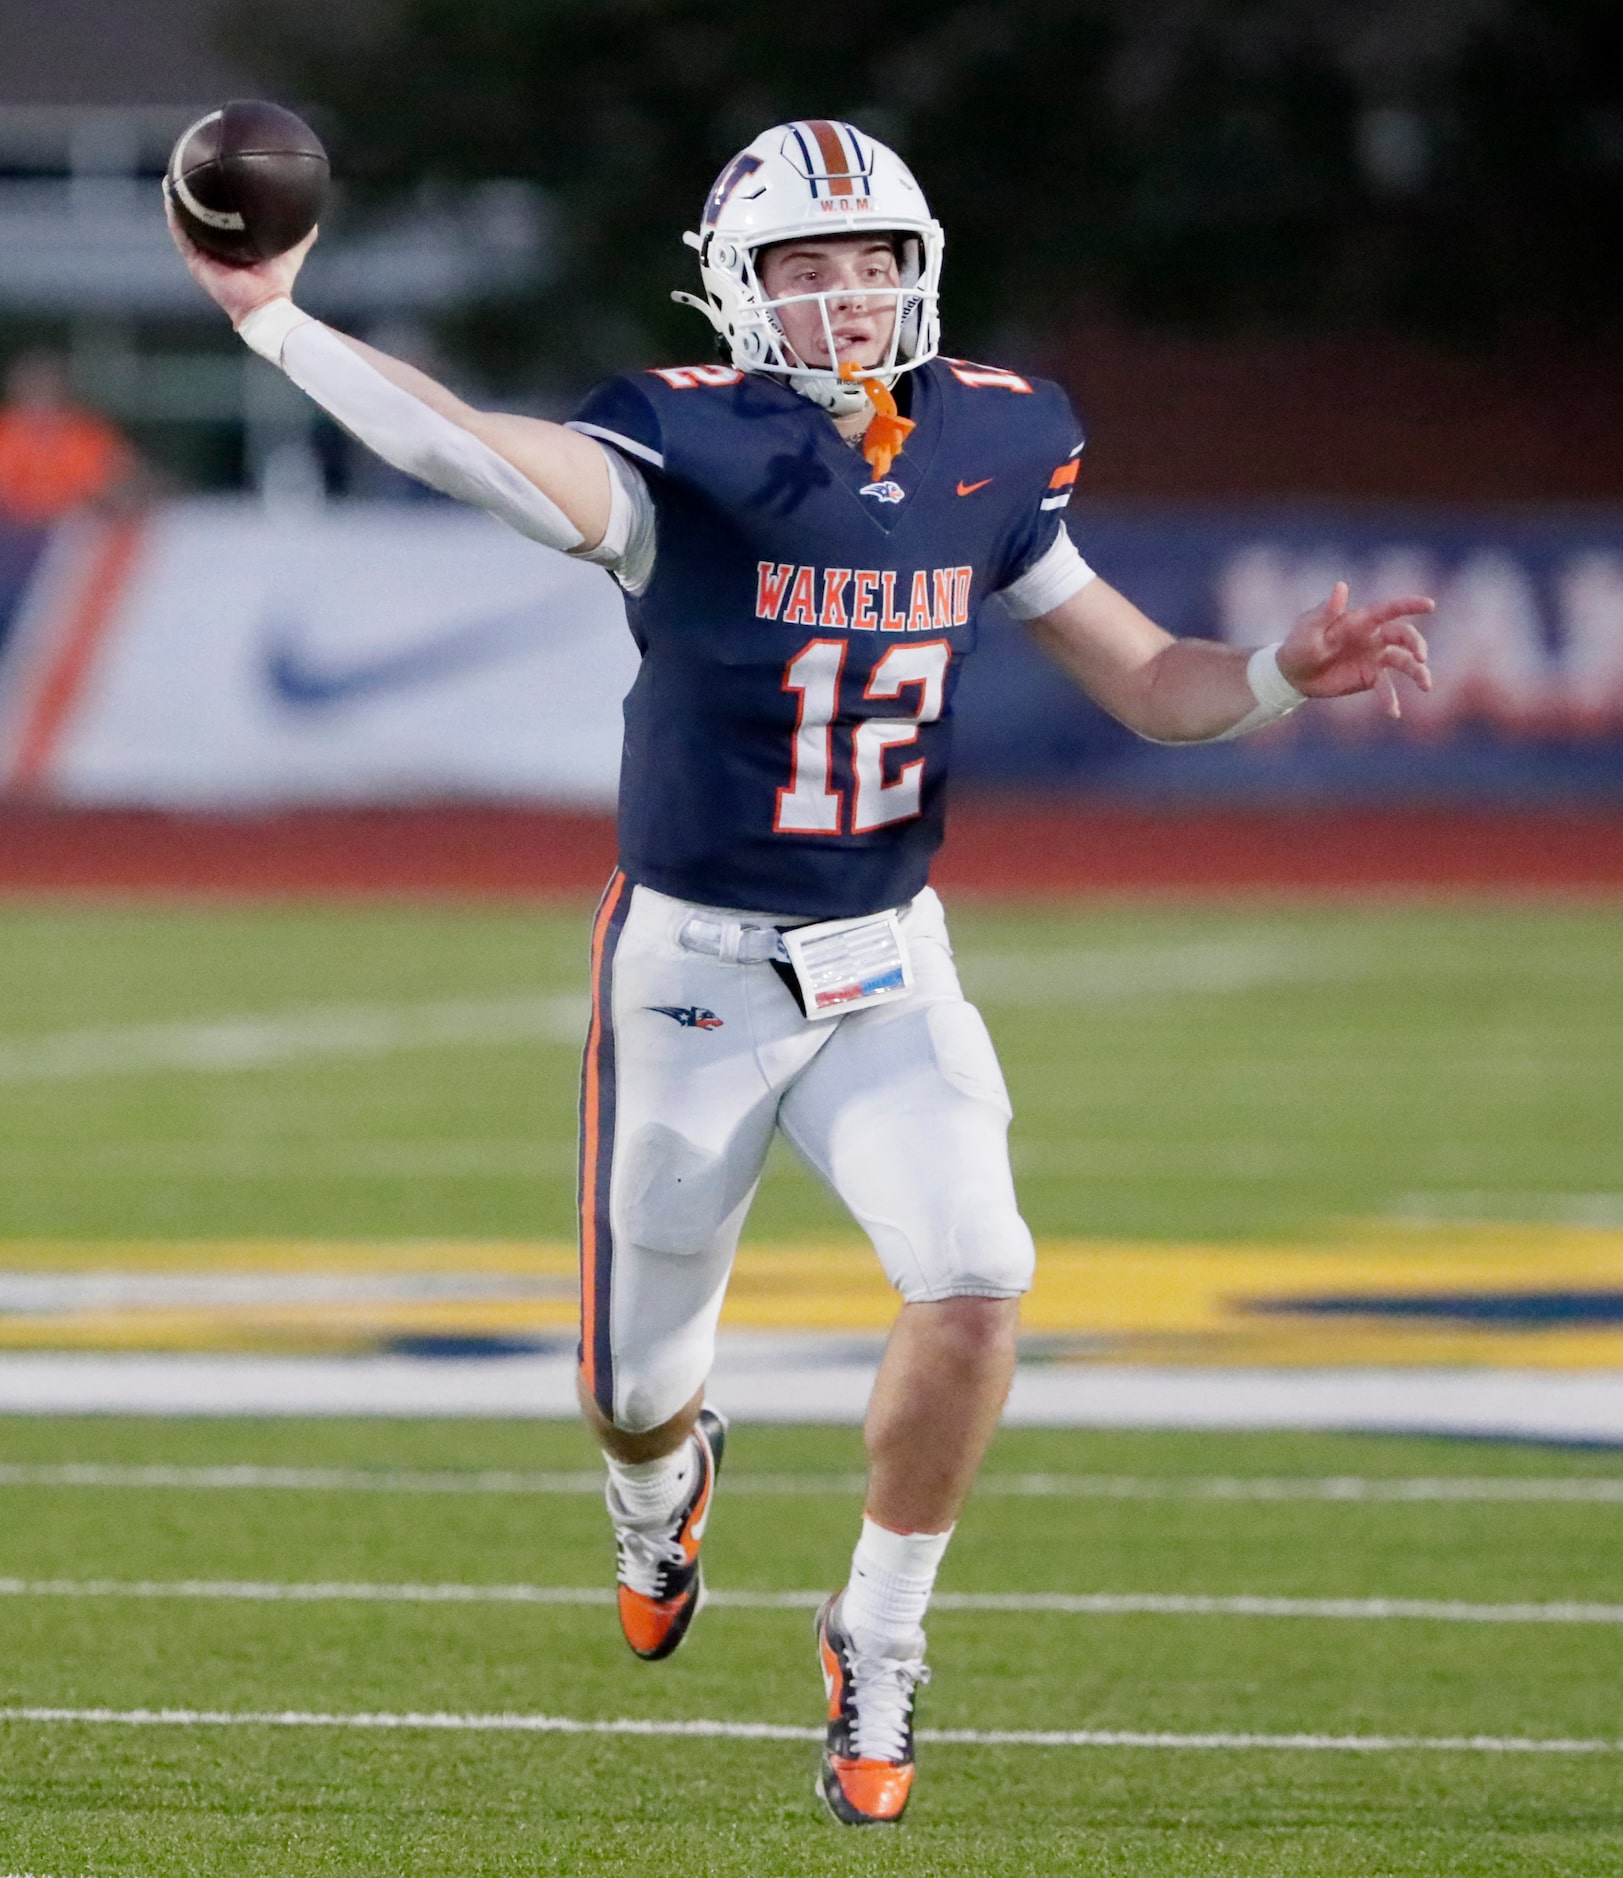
87 1797
1190 1073
1196 1074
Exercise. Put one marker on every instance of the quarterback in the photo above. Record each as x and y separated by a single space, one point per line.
805 528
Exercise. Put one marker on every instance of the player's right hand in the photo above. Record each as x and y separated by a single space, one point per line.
239 290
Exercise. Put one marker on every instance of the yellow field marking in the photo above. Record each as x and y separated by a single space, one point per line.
1094 1300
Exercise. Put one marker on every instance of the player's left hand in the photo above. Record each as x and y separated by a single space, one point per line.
1337 650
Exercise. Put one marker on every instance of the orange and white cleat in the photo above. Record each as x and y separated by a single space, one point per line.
866 1772
660 1584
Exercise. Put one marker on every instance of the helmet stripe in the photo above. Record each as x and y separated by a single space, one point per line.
836 164
861 161
808 161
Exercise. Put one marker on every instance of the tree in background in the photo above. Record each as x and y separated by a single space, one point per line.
1454 170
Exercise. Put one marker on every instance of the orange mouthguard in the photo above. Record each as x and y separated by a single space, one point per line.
887 431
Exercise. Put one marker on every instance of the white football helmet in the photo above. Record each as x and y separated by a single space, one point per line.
815 178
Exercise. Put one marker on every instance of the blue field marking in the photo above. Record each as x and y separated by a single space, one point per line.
1505 1310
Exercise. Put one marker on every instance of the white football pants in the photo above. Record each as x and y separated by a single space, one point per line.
692 1062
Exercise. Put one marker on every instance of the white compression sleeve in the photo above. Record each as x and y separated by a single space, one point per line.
400 428
627 547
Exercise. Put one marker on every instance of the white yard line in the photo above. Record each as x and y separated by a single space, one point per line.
249 1591
1050 1603
1376 1610
777 1731
296 1479
1333 1489
258 1040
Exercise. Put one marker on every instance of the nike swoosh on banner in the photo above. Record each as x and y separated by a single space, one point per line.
968 489
303 685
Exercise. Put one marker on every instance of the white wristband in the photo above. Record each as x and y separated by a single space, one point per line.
1275 695
1269 685
265 330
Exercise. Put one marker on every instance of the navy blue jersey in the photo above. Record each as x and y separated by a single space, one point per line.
788 733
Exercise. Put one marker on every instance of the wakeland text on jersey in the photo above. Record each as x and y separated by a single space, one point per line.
936 599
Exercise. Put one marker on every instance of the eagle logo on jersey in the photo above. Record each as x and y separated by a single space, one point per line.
689 1016
887 491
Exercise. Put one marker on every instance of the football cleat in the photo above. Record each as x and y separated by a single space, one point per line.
657 1567
866 1773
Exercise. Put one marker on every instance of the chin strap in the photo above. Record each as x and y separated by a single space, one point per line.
888 431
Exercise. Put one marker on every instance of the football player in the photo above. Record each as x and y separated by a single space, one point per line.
805 532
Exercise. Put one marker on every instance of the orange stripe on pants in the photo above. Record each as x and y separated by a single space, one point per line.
595 1150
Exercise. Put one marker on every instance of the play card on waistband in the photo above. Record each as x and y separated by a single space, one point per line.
845 964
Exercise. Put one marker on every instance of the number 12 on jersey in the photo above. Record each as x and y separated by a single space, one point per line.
811 805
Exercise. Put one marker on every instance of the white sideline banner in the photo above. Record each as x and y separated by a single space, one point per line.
220 654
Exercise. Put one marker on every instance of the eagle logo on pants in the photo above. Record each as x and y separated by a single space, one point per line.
689 1016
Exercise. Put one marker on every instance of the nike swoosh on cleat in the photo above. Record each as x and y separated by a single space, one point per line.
968 489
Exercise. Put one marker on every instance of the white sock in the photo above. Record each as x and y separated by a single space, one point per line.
649 1491
892 1576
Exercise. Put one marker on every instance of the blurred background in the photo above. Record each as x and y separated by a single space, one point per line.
1313 1039
1336 289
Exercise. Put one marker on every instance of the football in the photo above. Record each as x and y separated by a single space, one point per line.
248 181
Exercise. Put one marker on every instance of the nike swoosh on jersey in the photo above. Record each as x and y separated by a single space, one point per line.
968 489
295 680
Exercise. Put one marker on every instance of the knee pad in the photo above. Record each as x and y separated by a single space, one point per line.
990 1252
646 1399
981 1248
654 1377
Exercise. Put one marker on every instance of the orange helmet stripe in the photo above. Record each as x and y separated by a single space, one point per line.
836 163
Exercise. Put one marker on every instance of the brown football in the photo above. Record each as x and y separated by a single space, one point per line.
248 181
